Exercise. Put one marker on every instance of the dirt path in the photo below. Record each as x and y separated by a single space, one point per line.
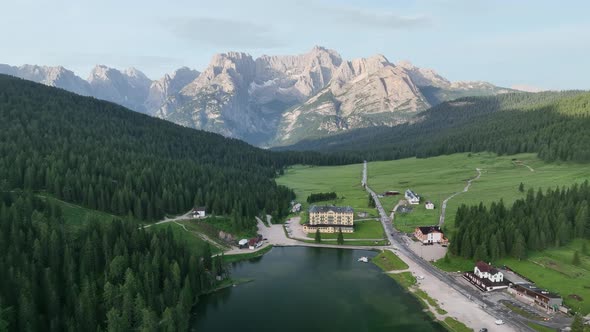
202 236
443 209
520 163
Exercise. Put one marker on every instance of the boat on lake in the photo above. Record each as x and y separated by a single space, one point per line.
364 259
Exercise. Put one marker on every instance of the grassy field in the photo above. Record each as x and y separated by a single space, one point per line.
454 325
434 179
405 279
75 215
366 229
345 181
437 178
540 328
388 261
246 256
192 241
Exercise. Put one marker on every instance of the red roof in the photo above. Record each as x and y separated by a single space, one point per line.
483 266
252 242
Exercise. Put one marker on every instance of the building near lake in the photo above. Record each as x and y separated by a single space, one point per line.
330 219
430 235
486 277
412 197
533 295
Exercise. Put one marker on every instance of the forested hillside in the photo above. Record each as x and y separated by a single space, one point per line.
537 222
109 276
553 124
105 157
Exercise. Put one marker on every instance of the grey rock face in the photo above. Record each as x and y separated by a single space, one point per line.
271 100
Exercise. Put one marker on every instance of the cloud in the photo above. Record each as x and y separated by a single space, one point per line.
373 19
221 32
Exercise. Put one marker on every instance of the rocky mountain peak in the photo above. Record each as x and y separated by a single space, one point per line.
423 76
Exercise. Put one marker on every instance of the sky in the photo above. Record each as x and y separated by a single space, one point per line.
539 44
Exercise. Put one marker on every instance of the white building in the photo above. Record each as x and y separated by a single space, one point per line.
486 271
412 197
429 205
198 212
296 208
430 234
486 277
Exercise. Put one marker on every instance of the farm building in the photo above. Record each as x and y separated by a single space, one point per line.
391 193
412 197
429 205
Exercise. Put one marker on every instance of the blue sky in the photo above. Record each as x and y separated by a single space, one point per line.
538 43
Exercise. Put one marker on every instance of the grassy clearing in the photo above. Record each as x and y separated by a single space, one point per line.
405 279
249 255
345 181
540 328
191 240
76 215
454 325
388 261
437 178
359 243
366 229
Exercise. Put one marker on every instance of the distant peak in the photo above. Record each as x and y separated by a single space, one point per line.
405 64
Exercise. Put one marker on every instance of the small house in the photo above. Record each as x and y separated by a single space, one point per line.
243 243
430 235
296 208
412 197
429 205
198 212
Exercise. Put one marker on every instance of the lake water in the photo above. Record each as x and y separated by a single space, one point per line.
311 289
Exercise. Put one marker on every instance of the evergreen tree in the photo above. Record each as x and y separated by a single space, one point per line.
578 323
340 239
521 187
318 236
576 260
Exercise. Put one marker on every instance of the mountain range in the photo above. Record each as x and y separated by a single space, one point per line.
271 100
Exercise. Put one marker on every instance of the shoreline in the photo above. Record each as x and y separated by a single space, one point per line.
445 305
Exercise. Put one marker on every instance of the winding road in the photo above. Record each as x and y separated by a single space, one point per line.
399 245
443 209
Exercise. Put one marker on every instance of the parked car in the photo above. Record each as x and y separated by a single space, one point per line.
499 322
483 330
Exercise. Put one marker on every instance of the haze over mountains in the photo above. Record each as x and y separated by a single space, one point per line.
271 100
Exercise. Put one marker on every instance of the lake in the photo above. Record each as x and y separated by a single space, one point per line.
311 289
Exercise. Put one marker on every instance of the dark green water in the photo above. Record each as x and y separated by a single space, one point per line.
311 289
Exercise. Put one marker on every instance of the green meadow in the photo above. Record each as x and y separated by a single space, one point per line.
434 179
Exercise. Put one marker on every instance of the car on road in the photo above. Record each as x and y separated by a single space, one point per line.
483 330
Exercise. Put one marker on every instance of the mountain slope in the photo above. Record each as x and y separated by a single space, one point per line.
103 156
272 100
554 124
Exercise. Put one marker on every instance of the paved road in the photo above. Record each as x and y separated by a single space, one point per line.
397 241
443 209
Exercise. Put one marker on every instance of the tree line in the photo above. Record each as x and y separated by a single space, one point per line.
552 124
111 276
539 221
102 156
319 197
